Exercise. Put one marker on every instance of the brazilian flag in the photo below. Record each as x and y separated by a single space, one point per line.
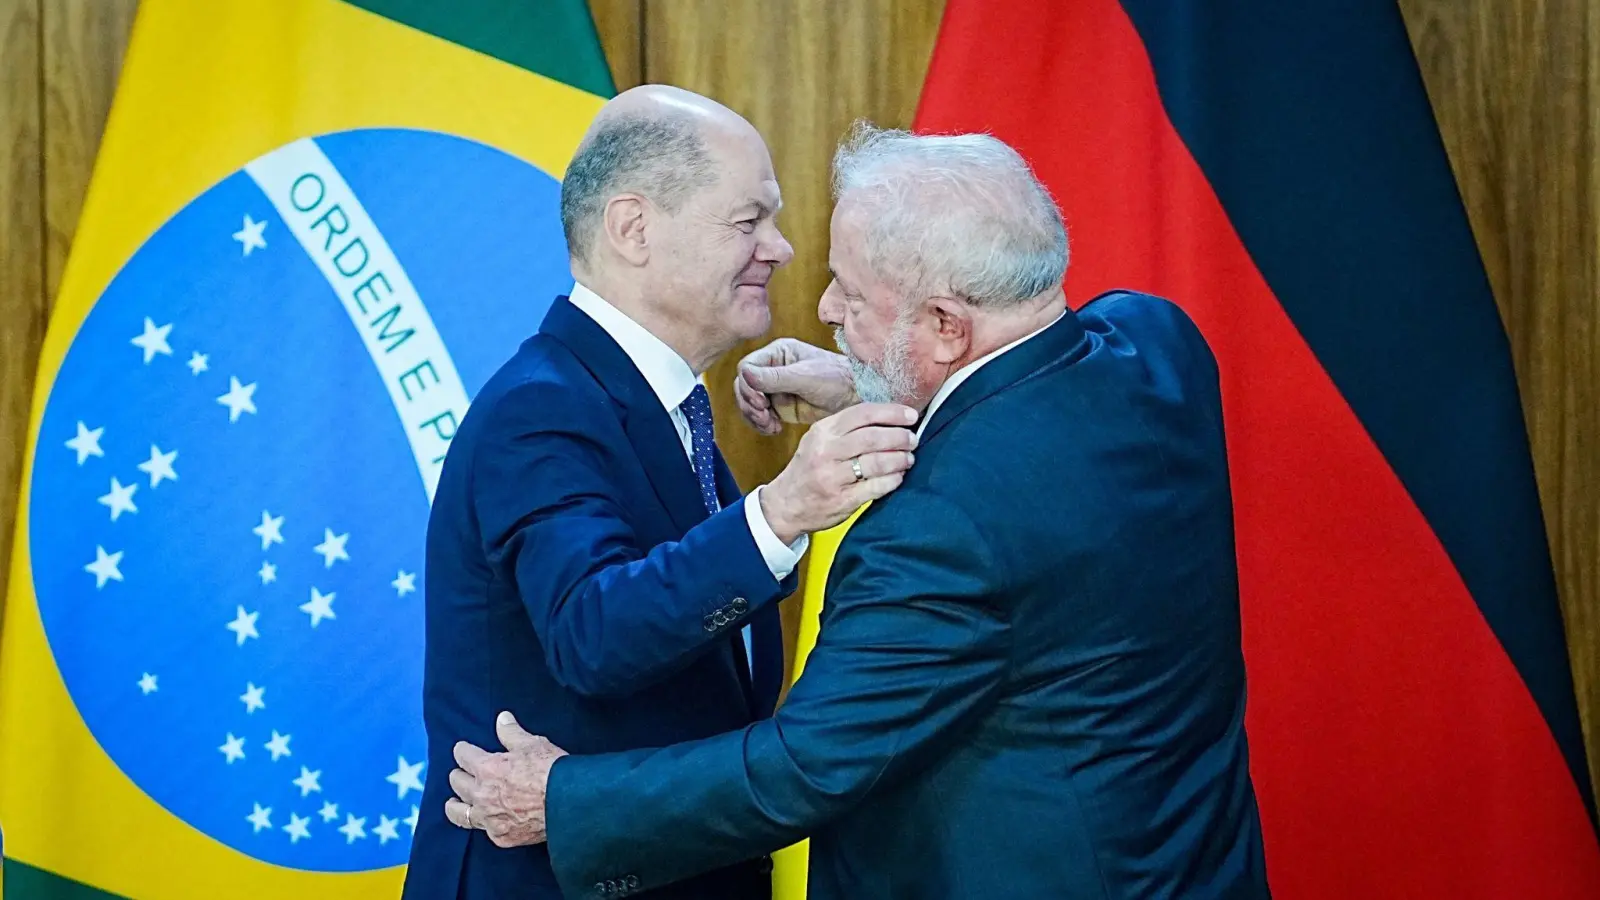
314 229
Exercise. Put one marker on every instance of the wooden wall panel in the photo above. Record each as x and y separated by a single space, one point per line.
621 27
22 305
801 72
1515 86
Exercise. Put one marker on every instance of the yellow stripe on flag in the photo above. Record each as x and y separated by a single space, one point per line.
789 864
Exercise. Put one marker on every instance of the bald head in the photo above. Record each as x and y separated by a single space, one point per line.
651 141
669 207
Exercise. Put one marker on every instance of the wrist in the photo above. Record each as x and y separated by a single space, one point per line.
775 507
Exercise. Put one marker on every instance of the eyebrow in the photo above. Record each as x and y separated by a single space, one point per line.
759 205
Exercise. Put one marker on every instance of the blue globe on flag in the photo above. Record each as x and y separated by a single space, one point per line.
234 471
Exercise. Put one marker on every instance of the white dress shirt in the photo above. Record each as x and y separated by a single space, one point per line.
671 379
965 372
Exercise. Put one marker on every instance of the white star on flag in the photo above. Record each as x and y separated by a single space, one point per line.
87 442
270 530
154 340
261 818
404 583
320 607
297 828
104 568
147 683
412 819
120 499
233 748
239 399
385 830
250 236
199 362
330 812
353 828
268 572
407 778
244 625
332 547
308 781
252 697
279 745
159 466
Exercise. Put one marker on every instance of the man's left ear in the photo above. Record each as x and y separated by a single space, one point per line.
952 328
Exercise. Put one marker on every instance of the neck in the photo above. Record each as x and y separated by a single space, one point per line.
630 300
991 331
994 330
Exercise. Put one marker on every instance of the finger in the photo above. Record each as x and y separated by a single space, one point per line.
863 414
465 786
872 439
756 407
872 489
458 813
511 735
469 756
777 379
877 465
772 354
747 392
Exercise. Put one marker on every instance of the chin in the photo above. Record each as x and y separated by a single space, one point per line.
752 319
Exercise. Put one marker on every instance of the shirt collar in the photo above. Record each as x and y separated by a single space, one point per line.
663 369
965 372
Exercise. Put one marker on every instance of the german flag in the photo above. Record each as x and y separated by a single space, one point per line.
314 229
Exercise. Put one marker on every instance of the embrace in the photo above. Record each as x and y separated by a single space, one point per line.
1028 679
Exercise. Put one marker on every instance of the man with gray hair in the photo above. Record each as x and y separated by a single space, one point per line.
1028 679
591 565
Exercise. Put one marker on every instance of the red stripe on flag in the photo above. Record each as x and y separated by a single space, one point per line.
1395 750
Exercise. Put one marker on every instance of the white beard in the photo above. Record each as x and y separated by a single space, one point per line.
891 384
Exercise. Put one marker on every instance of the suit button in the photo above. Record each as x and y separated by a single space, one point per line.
709 623
721 618
740 604
765 865
600 888
632 882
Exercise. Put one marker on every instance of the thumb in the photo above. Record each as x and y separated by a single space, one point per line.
511 735
772 379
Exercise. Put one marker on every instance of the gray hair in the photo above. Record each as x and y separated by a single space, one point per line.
957 213
662 157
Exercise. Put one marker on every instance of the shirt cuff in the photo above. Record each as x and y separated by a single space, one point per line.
780 559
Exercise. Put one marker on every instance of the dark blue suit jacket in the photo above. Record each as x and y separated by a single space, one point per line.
574 578
1028 680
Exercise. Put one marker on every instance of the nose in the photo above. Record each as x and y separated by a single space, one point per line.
830 309
776 250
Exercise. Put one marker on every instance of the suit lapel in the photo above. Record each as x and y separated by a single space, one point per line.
647 424
1063 343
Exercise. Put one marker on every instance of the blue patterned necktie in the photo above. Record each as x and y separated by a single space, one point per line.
697 409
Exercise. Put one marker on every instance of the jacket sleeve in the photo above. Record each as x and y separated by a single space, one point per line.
612 616
911 651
